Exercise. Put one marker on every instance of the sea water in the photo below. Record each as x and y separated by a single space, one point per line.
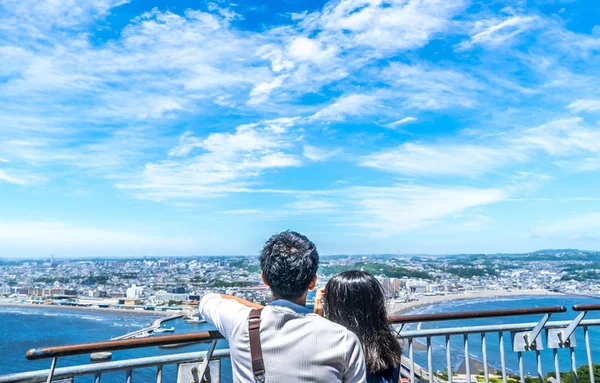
25 328
22 328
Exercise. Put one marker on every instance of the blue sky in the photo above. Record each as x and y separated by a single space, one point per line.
133 128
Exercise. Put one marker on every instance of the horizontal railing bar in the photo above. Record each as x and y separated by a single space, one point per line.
595 307
114 345
476 314
104 367
489 328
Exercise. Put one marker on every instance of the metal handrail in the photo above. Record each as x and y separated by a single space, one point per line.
475 314
431 332
114 345
595 307
105 367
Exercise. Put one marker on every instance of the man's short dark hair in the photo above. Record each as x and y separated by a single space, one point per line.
289 262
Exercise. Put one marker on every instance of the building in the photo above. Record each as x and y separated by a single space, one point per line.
134 292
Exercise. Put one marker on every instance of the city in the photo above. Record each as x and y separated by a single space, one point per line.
170 284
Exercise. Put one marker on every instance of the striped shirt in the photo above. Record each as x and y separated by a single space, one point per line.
297 345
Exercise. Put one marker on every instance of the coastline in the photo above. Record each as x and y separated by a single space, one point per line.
125 312
402 308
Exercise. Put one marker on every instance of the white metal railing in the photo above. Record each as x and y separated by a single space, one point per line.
525 338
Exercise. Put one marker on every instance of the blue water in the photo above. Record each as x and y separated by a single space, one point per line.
492 340
24 328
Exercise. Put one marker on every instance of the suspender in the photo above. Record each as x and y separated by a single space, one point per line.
258 366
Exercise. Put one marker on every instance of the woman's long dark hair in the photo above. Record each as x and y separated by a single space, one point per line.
355 300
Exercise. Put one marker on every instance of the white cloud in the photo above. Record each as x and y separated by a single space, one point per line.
261 92
492 33
423 86
568 136
581 227
349 105
319 154
405 120
52 237
305 49
390 211
584 106
386 26
4 176
316 206
19 177
440 160
226 162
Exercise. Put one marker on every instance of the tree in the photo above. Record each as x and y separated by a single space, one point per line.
583 375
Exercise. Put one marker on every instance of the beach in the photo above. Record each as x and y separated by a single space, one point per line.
126 312
400 308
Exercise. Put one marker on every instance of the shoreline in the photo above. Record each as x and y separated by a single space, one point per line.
126 312
402 308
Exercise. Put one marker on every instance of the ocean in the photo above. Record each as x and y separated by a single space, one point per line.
24 328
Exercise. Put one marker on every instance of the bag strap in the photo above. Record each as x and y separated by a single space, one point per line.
258 366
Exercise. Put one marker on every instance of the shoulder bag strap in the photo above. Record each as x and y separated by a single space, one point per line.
258 366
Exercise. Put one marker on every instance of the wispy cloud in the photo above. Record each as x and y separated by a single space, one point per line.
388 211
432 160
403 121
319 154
581 227
226 162
53 237
493 33
559 138
584 106
350 105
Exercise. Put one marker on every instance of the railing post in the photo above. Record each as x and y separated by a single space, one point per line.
556 365
586 335
411 355
521 369
206 361
159 373
97 378
429 360
52 368
538 357
129 376
574 365
502 357
486 375
448 359
467 358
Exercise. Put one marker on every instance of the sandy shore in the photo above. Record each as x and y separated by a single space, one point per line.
5 303
399 308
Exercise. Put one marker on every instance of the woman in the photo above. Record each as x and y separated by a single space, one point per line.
355 300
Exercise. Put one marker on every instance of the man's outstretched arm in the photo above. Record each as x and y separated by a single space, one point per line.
242 301
224 311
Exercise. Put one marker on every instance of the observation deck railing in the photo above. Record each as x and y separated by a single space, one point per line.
525 338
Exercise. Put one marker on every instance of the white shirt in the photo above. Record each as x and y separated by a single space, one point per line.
297 345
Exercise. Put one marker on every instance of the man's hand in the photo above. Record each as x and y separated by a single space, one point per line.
319 301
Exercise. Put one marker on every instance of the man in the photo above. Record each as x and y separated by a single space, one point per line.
297 345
